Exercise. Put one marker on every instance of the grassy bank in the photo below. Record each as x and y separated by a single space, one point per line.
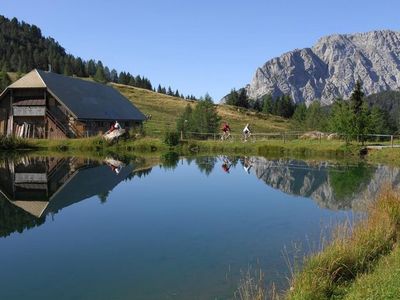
385 156
323 149
353 265
298 148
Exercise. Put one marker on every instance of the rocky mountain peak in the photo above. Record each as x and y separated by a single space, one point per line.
330 68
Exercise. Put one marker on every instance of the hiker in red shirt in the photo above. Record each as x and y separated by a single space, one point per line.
226 131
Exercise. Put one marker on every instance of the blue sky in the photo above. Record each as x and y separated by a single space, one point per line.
197 47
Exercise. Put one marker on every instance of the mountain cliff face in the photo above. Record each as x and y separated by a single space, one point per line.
331 67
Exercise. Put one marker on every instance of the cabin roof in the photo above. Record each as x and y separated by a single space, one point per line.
30 80
85 99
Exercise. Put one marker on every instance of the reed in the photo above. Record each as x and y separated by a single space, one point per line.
354 250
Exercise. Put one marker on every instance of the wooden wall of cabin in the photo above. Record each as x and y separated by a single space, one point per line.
57 109
36 127
42 127
29 126
28 94
54 131
97 127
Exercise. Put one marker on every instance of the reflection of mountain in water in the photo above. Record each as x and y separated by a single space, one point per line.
333 187
33 187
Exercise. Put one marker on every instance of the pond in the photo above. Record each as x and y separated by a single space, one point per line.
169 228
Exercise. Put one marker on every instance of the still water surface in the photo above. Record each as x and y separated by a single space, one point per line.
74 228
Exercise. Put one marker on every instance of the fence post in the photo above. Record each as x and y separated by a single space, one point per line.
181 135
214 136
391 140
284 137
320 136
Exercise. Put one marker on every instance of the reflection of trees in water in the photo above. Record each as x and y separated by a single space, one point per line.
14 219
349 180
170 160
103 197
189 160
142 173
206 164
139 173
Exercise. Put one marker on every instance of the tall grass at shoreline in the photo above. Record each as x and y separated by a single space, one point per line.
352 252
348 262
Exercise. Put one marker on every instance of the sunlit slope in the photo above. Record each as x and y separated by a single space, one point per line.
166 109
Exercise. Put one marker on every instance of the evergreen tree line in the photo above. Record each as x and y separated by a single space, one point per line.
353 118
357 117
4 80
23 48
170 92
280 106
388 101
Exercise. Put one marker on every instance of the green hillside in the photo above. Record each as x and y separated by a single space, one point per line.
165 110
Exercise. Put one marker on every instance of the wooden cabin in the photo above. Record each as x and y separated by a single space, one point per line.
48 105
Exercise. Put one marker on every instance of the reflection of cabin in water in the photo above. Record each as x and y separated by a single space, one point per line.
45 185
48 105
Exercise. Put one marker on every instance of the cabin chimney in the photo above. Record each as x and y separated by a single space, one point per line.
49 70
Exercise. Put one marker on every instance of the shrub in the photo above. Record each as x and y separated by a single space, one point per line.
171 138
136 132
11 142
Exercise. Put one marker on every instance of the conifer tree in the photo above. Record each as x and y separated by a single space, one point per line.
267 104
170 92
114 76
132 81
91 68
107 74
359 110
99 75
300 115
4 81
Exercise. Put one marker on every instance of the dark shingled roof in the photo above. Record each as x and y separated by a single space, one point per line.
90 100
